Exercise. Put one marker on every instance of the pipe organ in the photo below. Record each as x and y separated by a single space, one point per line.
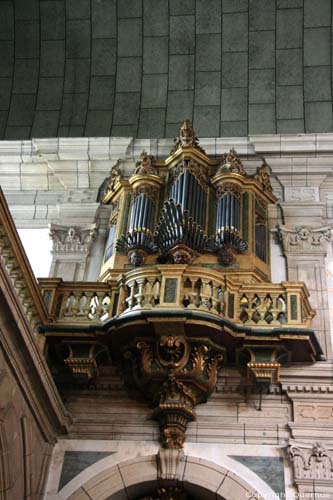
194 208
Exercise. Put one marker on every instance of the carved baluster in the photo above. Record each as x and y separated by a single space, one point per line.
255 314
196 294
131 300
156 292
281 305
139 296
187 296
148 293
94 306
245 311
106 304
82 305
206 293
70 303
215 298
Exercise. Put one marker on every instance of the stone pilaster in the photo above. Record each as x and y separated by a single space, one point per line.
312 468
305 249
71 250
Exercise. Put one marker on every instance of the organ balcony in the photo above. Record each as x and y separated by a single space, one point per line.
184 287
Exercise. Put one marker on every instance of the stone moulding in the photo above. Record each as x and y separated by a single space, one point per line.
17 267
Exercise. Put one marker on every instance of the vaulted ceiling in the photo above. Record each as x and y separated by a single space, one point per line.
139 67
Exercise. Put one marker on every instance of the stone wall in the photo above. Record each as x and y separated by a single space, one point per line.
31 412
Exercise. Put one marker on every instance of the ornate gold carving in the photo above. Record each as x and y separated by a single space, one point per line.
231 164
262 176
186 138
226 257
81 366
146 164
115 176
194 168
265 372
181 254
82 358
177 374
151 191
137 257
228 187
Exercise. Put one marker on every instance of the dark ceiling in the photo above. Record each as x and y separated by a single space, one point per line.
139 67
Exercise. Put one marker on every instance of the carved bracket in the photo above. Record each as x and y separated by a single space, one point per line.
176 374
169 461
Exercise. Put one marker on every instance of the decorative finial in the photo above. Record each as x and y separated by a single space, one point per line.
262 176
115 175
146 164
186 138
231 163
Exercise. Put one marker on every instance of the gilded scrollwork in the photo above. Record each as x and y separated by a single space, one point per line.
146 164
262 176
177 373
194 168
231 163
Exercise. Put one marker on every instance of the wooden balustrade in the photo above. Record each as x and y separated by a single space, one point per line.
260 305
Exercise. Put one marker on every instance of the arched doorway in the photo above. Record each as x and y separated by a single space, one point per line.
137 479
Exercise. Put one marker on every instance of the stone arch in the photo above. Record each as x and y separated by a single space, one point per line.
137 477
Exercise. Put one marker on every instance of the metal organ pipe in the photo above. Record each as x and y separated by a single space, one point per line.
227 218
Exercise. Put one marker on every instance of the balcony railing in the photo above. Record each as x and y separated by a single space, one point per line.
178 287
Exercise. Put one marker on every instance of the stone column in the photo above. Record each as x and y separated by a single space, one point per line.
312 465
71 250
305 249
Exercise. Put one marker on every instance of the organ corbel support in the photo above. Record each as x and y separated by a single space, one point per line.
263 362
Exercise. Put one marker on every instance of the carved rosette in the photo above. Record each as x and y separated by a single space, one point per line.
303 239
176 374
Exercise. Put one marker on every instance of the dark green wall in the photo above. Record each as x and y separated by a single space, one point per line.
137 68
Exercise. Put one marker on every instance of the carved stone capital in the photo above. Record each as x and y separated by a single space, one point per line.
72 239
303 239
311 462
